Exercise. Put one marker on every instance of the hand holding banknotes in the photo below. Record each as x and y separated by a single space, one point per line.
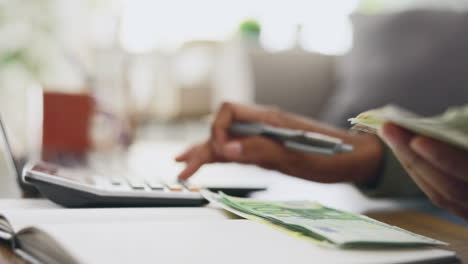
439 169
357 166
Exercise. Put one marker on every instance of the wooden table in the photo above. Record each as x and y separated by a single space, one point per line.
455 235
419 223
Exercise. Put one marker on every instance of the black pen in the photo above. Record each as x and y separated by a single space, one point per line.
298 140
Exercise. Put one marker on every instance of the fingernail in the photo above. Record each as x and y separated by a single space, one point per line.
380 132
232 149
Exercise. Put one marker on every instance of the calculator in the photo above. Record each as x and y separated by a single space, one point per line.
77 187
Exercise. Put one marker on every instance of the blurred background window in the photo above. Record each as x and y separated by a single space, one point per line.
324 25
160 60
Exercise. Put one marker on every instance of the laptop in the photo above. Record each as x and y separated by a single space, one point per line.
91 187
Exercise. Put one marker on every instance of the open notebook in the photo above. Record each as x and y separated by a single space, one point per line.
176 235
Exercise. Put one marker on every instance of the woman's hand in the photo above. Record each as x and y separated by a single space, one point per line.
358 166
439 169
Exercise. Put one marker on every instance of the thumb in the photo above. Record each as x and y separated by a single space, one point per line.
253 150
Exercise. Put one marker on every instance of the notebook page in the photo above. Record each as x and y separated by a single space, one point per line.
33 217
24 204
230 241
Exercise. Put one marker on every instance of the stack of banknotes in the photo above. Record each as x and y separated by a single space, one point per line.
450 127
320 224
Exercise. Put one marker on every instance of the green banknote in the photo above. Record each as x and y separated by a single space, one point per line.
320 223
450 127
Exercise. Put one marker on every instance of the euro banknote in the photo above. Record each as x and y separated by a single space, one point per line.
328 225
450 127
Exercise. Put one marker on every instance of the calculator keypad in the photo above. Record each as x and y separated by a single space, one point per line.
125 183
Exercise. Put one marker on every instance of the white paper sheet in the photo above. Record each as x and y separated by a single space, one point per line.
228 241
33 217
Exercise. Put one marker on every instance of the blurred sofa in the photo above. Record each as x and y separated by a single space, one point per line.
417 59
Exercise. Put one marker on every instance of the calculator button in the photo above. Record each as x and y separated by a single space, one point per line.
136 184
193 188
175 187
116 180
155 185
